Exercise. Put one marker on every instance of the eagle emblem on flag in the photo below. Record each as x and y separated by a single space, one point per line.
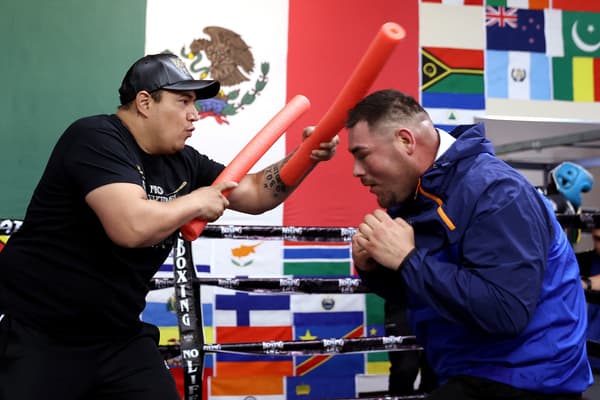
225 57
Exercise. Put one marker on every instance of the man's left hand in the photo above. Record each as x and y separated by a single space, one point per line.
326 150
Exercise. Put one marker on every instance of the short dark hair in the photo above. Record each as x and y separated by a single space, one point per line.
388 104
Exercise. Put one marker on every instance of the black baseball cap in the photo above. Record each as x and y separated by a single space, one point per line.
163 71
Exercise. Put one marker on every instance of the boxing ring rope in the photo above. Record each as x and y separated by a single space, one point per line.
289 233
585 221
274 285
369 344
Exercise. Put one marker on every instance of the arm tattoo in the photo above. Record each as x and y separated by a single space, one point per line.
273 181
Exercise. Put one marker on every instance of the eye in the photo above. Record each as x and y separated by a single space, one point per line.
361 155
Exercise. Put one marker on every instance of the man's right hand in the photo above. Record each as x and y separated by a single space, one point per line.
212 200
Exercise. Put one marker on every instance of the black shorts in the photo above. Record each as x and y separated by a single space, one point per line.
34 366
474 388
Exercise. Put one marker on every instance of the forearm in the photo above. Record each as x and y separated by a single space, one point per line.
132 220
474 296
154 221
150 221
263 190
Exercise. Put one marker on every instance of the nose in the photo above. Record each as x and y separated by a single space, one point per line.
193 115
357 169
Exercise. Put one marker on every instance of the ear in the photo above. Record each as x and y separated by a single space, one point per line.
405 138
142 102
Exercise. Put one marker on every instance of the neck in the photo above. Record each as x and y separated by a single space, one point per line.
134 123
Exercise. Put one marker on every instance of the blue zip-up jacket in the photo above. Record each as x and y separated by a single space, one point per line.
493 285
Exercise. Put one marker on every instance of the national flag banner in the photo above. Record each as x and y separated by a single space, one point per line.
159 311
328 317
448 118
518 75
328 303
317 259
247 387
321 387
554 33
375 316
456 2
377 362
450 70
572 33
235 257
434 32
328 325
238 365
448 110
577 5
240 309
576 79
530 4
252 74
515 29
581 33
467 101
243 318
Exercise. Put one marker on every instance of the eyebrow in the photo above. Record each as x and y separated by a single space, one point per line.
189 95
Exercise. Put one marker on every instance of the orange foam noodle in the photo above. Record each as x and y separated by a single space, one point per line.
354 90
246 386
252 152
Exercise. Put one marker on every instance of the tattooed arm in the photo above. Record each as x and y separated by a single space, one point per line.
264 190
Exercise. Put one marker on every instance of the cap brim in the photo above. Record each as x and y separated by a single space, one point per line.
205 89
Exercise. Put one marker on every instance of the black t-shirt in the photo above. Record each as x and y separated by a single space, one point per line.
60 272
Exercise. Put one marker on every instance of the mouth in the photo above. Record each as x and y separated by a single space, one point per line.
368 184
372 187
189 132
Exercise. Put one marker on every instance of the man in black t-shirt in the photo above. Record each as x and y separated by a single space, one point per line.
101 221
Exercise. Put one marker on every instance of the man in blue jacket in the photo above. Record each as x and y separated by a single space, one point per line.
491 281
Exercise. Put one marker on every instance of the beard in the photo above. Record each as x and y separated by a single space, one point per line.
386 199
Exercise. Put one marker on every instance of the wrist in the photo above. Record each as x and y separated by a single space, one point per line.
587 282
406 257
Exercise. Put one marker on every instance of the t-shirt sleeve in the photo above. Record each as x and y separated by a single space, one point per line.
100 156
205 170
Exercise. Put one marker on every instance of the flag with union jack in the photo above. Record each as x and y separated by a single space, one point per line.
515 29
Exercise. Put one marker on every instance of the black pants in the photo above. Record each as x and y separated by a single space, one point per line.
405 365
34 366
473 388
